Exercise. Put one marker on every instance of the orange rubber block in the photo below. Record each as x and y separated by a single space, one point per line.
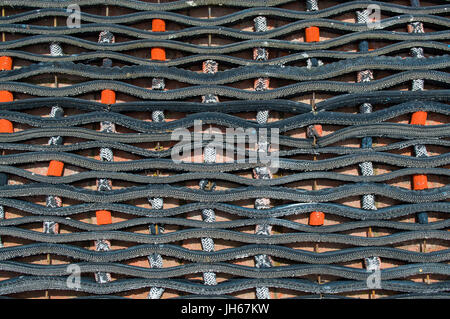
6 63
6 96
420 182
6 126
55 168
419 118
108 97
158 54
158 25
312 34
316 218
103 217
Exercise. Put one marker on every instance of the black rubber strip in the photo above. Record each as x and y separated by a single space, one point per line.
234 17
26 283
345 100
294 122
227 224
227 235
144 179
339 150
441 78
227 59
168 164
185 4
302 256
236 74
227 48
231 269
235 194
384 213
221 31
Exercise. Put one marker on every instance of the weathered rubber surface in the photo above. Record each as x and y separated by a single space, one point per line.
226 225
229 76
293 68
223 20
441 78
199 57
26 283
279 211
182 4
228 48
330 257
235 194
221 30
421 99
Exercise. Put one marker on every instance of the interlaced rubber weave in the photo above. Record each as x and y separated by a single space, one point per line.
93 203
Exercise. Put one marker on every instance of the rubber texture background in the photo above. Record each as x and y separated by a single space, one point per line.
319 174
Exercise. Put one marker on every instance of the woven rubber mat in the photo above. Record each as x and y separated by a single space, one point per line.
117 178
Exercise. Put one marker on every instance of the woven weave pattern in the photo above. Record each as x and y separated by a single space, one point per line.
117 154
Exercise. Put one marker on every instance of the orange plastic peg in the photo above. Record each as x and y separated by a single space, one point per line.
312 34
103 217
108 97
6 63
6 96
420 182
316 218
158 54
419 118
55 168
6 126
158 25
